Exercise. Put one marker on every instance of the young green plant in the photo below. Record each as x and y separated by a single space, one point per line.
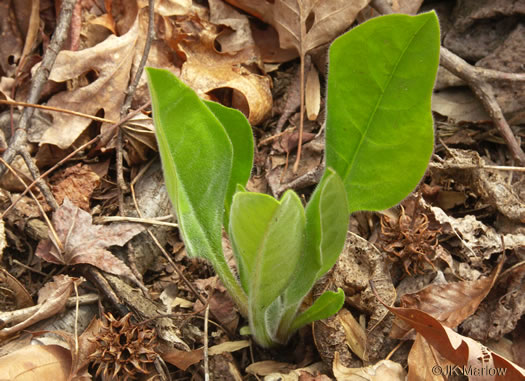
379 139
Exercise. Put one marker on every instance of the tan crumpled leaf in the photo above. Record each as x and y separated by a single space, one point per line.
383 370
206 71
111 62
52 299
239 35
84 242
36 362
264 368
460 350
450 303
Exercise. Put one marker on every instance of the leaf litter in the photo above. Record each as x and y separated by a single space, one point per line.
474 207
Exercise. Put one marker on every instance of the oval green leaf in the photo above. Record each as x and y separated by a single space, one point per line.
379 133
196 155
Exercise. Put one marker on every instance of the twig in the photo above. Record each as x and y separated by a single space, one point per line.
205 355
18 144
485 94
122 186
56 109
150 221
477 79
49 224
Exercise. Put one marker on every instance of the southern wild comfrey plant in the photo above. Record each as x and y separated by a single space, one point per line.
379 139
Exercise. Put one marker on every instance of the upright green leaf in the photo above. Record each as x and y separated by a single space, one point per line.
268 238
196 155
326 227
240 134
379 134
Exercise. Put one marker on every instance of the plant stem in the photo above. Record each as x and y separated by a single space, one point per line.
230 282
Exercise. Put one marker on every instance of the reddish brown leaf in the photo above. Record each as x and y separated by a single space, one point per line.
425 363
84 242
460 350
76 183
450 303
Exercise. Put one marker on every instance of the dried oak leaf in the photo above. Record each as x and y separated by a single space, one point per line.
84 242
213 74
110 61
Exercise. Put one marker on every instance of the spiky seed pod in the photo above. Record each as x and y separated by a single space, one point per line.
410 240
124 349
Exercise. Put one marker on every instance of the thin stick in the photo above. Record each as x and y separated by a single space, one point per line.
56 109
122 186
49 224
18 143
150 221
206 367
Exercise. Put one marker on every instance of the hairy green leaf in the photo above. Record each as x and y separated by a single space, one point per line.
188 133
325 306
268 238
240 134
326 226
379 134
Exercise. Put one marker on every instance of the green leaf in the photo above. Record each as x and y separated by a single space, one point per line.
267 238
326 226
325 306
379 134
240 134
196 155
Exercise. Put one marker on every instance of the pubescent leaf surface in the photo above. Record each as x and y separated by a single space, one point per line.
326 226
379 134
267 238
196 155
240 133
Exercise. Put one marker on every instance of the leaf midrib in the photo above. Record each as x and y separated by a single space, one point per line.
380 99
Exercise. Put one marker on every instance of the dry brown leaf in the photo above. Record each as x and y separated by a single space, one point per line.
450 303
169 7
36 362
183 360
110 61
308 24
12 44
52 299
312 94
383 370
207 71
76 183
423 362
239 35
14 294
84 242
264 368
355 334
460 350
